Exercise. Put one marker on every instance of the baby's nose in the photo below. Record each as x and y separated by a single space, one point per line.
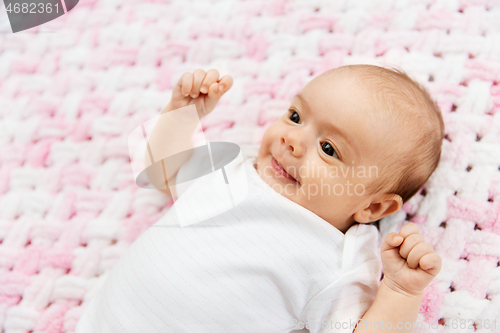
296 148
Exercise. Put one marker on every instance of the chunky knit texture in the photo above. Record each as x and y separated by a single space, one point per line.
69 206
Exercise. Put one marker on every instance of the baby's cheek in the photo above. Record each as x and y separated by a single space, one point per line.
269 134
316 172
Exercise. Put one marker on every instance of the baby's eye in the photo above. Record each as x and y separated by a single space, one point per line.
328 149
295 117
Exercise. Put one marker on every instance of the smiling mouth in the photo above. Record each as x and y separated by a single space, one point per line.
281 171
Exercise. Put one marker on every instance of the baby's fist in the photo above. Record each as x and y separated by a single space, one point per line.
203 89
409 262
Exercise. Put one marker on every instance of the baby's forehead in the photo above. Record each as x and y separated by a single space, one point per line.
378 93
390 94
395 104
328 85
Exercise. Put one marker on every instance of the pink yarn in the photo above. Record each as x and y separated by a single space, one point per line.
52 319
431 302
495 98
482 69
28 262
58 258
419 219
26 65
317 21
256 47
9 300
475 278
38 152
467 209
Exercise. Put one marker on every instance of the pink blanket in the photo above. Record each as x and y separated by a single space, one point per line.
73 89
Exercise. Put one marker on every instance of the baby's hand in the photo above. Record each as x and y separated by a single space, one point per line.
409 262
204 89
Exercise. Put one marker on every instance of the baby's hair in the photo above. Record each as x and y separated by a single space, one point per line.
409 103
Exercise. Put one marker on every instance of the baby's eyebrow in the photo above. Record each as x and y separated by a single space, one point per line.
332 127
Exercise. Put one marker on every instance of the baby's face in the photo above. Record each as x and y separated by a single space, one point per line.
330 141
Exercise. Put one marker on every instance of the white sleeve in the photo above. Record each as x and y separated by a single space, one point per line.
338 307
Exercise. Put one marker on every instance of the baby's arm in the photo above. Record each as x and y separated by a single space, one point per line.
203 89
409 264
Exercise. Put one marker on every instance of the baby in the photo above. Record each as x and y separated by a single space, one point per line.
356 143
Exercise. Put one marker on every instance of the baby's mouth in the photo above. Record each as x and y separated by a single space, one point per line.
280 170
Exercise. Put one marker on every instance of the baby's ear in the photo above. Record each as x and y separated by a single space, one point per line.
382 206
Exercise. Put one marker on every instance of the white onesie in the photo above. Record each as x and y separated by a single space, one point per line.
267 265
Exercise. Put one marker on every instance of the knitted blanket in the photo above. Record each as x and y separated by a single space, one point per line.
72 90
